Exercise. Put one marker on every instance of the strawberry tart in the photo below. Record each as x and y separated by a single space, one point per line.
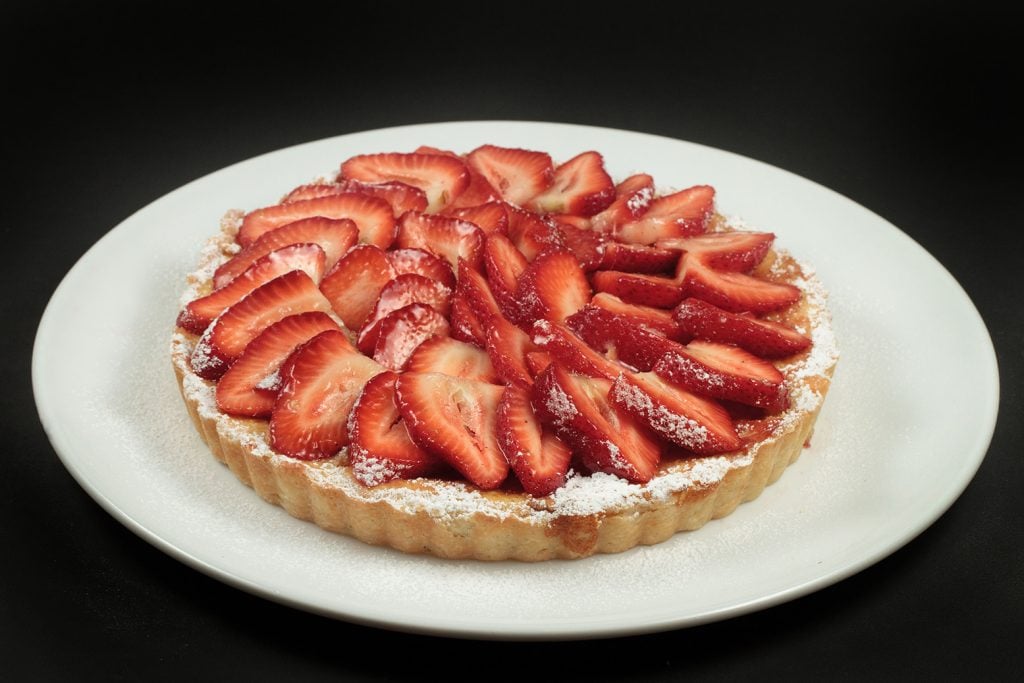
494 356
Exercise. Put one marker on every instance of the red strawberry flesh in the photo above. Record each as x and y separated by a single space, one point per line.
455 419
321 381
250 386
380 448
539 459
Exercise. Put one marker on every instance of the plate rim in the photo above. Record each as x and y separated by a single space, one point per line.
48 320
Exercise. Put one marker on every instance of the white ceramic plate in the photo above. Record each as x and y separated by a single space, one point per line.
887 458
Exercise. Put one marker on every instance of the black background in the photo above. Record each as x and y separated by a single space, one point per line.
909 110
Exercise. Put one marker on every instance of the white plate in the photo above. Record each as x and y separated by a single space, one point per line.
907 423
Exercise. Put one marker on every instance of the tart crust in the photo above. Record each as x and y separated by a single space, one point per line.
591 514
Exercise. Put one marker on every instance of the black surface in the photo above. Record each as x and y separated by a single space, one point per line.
909 111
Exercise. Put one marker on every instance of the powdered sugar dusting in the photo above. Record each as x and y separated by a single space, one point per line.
673 426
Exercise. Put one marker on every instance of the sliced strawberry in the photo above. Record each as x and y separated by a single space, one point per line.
380 448
682 213
733 291
372 216
226 338
698 424
452 357
638 258
448 238
335 237
398 293
465 326
725 372
620 338
312 191
320 382
479 191
441 177
475 291
536 361
572 352
579 186
455 419
586 245
504 265
489 217
508 346
401 196
763 338
531 233
517 174
632 197
539 459
735 250
402 331
553 287
354 285
646 290
199 313
250 386
606 438
578 222
657 319
422 262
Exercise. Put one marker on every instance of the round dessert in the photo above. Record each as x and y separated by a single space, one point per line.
491 356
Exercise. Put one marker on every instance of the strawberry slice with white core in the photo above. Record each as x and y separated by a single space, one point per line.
632 197
226 338
580 186
764 338
380 448
571 351
620 338
606 438
335 237
320 382
553 287
199 313
479 191
250 386
676 415
372 216
441 177
734 292
422 262
735 250
455 419
517 174
533 234
399 292
403 330
355 283
725 372
636 288
452 357
682 213
657 319
489 217
539 459
449 238
504 265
